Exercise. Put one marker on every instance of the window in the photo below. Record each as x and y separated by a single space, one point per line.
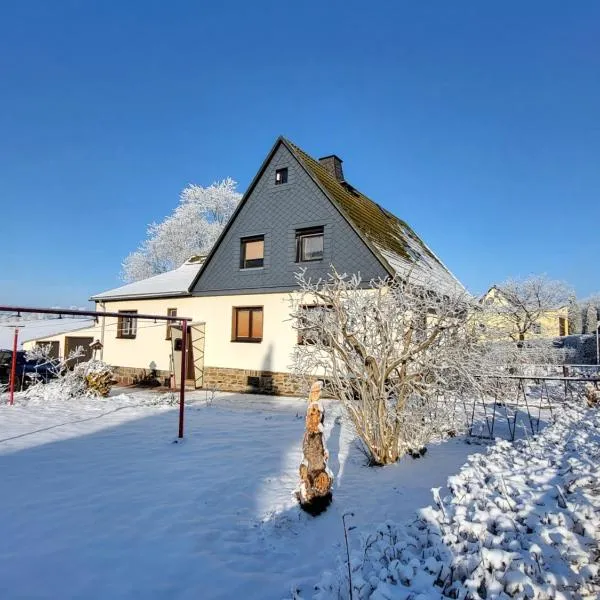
171 312
247 324
252 254
308 332
537 328
309 244
281 176
127 325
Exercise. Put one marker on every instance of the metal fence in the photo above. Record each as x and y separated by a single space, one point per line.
526 401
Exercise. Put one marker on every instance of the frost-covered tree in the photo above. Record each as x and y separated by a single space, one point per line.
389 353
575 317
591 318
191 229
524 302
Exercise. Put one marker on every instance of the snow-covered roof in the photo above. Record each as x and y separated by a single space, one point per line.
172 283
33 329
397 244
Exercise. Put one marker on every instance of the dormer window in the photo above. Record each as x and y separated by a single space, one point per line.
281 176
252 252
309 244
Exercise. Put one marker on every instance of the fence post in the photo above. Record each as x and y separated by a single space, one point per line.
183 375
13 367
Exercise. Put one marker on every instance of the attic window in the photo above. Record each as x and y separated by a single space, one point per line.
281 176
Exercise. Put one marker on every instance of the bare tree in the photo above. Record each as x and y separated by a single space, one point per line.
522 303
389 353
591 318
575 317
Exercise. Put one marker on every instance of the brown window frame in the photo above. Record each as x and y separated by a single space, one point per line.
171 312
234 324
243 261
307 233
281 176
128 315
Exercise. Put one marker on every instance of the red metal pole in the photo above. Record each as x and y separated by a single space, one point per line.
184 325
13 367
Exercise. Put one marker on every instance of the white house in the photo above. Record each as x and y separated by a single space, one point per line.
297 212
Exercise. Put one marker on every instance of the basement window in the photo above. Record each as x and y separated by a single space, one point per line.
247 324
127 324
309 244
281 176
252 253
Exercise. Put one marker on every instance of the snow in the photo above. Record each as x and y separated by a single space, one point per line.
98 502
32 329
175 282
520 521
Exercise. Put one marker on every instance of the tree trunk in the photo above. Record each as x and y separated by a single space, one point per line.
316 479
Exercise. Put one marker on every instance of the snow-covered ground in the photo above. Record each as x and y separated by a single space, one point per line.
521 521
98 502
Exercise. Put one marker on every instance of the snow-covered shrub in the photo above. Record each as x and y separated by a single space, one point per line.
92 378
394 354
522 521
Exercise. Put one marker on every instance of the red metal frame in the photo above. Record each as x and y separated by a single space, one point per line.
13 367
184 351
93 313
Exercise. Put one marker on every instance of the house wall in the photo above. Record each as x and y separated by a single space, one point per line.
277 211
228 364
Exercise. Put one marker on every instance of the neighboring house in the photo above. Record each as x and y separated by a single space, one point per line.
297 212
31 329
546 324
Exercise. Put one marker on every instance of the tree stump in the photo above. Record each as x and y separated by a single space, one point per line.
316 479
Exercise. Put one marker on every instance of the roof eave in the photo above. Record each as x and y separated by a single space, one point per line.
140 296
239 207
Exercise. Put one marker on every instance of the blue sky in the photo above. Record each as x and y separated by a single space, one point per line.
477 123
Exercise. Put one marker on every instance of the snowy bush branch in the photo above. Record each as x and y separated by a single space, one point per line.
92 378
392 352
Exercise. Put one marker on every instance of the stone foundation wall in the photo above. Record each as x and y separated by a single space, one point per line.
257 382
225 380
135 376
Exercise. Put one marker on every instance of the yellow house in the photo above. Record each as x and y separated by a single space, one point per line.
501 319
298 213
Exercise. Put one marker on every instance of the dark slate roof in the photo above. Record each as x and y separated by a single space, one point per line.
398 247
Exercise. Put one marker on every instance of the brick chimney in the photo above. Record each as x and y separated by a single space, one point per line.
333 164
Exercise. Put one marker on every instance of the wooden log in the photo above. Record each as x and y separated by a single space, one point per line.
316 480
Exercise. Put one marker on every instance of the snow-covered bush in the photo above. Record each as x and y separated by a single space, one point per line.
394 354
522 521
92 378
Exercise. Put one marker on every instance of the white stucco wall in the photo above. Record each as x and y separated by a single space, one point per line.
150 348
